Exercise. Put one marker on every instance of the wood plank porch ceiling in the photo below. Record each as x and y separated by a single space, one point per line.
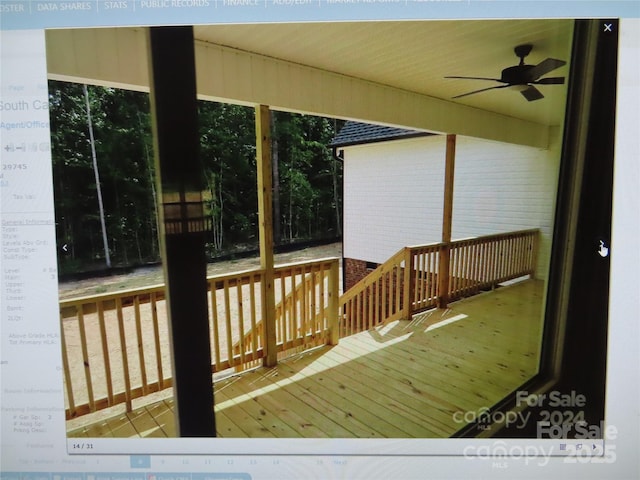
390 73
403 380
414 56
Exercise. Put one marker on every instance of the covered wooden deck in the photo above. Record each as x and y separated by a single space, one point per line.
403 379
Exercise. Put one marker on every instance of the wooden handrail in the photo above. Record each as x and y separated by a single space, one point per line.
374 299
419 277
380 270
495 236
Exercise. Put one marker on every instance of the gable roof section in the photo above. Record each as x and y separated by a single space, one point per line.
357 133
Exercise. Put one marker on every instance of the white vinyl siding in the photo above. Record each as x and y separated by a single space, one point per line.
394 194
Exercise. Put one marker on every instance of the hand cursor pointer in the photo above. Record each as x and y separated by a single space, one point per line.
603 251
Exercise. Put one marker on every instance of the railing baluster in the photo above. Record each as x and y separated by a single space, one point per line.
527 252
214 317
357 301
464 269
455 274
477 258
421 279
125 357
504 260
370 301
139 340
508 258
227 320
406 285
397 284
333 307
313 302
353 315
347 319
324 307
286 315
502 245
425 276
481 264
458 269
422 271
377 301
513 255
239 304
517 263
487 258
253 310
384 293
523 253
469 265
518 267
295 318
433 282
156 339
495 260
67 372
85 359
304 307
362 310
105 352
468 268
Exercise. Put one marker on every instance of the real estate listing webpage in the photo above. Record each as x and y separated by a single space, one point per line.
404 243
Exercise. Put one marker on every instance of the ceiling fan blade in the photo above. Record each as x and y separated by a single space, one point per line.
480 78
543 68
550 81
532 93
481 90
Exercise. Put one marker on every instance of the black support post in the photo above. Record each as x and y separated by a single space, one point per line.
183 226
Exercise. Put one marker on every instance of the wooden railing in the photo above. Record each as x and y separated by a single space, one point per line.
116 346
375 299
305 296
484 262
414 279
111 342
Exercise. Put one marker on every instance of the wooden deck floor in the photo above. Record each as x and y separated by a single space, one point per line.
406 379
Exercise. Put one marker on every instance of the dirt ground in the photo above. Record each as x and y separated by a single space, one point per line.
147 276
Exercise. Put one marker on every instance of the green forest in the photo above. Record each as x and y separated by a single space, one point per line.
102 153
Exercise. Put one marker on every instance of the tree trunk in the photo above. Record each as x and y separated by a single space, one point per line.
138 245
290 210
97 175
336 197
154 232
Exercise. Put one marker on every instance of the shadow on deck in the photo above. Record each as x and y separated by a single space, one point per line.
404 379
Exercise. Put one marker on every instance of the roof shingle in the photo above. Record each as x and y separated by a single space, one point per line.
355 133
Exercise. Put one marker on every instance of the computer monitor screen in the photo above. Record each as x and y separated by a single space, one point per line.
318 239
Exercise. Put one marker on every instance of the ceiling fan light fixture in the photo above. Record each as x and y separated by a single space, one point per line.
522 78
